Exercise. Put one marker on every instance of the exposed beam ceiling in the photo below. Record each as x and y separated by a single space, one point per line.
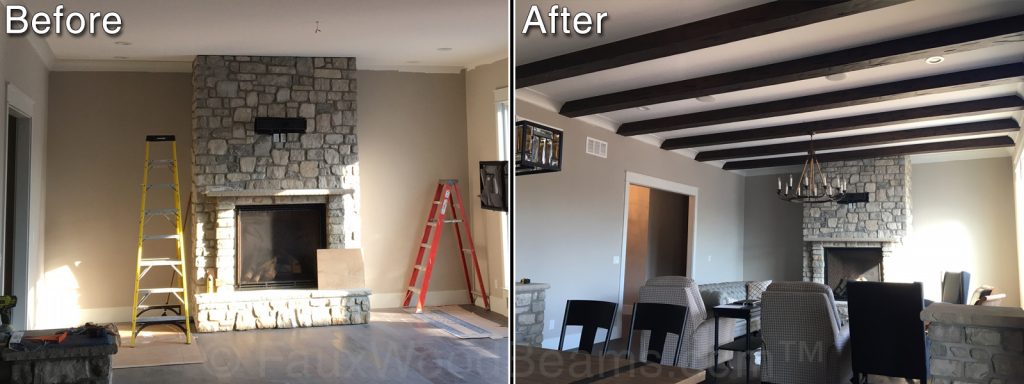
942 146
772 91
949 82
945 131
971 37
739 25
967 108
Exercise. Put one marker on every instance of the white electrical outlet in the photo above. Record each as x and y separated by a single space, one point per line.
496 285
551 324
616 259
709 257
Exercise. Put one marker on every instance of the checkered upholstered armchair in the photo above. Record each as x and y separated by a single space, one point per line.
803 339
698 351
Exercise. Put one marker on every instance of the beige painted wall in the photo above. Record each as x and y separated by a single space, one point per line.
95 152
962 221
482 140
772 233
569 224
23 67
412 132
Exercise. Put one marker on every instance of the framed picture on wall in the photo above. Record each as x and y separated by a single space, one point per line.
493 188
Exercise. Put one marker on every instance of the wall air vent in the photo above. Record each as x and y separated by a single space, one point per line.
597 147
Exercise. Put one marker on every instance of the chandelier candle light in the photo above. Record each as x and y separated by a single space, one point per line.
808 189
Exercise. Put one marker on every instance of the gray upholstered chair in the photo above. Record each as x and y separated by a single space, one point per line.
698 349
804 341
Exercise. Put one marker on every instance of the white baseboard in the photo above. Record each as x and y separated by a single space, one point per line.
77 317
499 304
106 315
434 298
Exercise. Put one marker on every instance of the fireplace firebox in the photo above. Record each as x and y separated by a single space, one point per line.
276 245
851 264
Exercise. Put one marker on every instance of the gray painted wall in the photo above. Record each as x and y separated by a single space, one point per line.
963 221
569 224
772 232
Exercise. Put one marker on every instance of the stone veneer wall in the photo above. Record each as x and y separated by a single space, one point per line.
240 311
530 313
882 222
229 93
975 344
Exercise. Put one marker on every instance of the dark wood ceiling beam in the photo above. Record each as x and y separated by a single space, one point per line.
945 131
743 24
930 85
942 146
967 38
966 108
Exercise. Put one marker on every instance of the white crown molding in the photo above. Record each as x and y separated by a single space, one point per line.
491 59
121 66
414 69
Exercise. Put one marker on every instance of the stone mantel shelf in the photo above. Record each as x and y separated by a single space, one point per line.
278 192
850 240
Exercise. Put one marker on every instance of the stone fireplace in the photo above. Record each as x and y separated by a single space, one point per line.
237 171
879 224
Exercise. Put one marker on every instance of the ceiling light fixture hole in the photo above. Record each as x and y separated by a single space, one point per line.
645 109
706 99
836 77
934 60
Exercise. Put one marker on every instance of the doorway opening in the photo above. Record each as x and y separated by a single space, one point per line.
9 168
20 270
658 236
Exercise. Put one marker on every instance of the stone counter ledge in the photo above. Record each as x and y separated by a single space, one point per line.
975 344
284 308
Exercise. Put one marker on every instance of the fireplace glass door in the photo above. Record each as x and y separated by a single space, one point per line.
277 245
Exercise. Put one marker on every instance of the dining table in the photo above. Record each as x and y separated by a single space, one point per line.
547 366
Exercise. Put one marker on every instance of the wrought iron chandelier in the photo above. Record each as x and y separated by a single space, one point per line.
813 185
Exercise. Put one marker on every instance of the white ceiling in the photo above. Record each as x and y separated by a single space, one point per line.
628 20
393 34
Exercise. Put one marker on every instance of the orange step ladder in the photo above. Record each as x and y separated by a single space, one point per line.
447 194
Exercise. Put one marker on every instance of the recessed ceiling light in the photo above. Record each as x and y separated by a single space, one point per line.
706 99
444 49
836 77
123 42
934 60
645 109
120 57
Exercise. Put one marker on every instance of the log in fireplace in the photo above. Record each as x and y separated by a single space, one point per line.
856 264
276 245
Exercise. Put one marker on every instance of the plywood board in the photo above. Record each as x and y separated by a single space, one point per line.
340 269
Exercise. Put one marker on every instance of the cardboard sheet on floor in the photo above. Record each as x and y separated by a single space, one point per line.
339 269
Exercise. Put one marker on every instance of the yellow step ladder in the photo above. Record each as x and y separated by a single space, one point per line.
180 310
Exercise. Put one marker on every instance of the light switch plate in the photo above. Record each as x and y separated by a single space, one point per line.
616 260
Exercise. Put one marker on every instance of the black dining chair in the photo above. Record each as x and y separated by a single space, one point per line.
886 332
591 315
660 320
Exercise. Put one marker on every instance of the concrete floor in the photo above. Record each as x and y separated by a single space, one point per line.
395 347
